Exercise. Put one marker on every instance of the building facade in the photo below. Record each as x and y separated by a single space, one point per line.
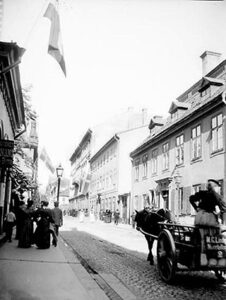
80 173
185 150
110 186
12 119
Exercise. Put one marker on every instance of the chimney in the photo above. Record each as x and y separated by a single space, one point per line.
144 116
210 60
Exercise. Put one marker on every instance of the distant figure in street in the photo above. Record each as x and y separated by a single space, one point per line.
133 216
57 217
43 217
10 223
81 216
92 216
116 216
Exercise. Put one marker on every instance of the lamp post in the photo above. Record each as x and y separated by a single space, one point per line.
59 172
177 179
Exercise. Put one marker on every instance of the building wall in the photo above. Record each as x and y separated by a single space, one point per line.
4 117
210 165
104 178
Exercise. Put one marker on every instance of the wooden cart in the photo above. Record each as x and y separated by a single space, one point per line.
179 248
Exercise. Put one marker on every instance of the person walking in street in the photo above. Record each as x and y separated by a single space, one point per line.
57 217
133 219
116 216
10 223
43 217
26 231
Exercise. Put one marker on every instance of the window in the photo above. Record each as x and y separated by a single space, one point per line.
180 149
154 161
217 133
136 173
165 161
182 204
174 115
196 142
145 165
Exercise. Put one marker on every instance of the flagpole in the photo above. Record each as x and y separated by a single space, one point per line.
27 39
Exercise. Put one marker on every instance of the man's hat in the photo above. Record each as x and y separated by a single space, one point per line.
214 181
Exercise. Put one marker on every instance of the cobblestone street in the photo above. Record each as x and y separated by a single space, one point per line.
130 266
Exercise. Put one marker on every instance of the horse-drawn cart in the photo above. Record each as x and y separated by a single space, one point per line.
179 248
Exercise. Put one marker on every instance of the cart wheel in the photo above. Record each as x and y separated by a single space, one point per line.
221 275
166 256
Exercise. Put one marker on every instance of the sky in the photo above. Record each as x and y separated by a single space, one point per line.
118 54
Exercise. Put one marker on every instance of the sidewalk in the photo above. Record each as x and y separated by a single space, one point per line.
48 274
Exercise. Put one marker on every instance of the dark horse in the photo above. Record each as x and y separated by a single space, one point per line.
147 220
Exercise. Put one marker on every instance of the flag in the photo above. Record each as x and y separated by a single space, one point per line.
55 42
46 159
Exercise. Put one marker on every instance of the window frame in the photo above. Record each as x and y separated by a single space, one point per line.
194 149
217 127
179 147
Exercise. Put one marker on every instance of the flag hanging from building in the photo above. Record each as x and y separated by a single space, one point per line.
55 42
46 159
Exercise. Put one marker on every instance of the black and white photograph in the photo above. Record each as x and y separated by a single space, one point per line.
112 149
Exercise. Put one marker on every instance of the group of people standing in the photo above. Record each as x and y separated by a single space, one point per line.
47 223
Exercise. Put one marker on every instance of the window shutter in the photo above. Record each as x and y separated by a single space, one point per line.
187 193
173 201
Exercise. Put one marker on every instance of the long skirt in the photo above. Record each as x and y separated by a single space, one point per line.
26 234
42 234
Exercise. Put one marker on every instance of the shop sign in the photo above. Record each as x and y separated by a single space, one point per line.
6 153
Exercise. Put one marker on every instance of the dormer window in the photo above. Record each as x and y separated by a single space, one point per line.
209 85
177 109
155 123
174 115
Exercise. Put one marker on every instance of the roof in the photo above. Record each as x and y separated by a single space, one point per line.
78 150
207 81
170 124
105 146
176 104
10 56
195 87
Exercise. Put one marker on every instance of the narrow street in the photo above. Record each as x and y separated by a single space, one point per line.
109 251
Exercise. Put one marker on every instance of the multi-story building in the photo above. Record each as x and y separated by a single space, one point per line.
185 150
12 119
90 144
110 184
80 173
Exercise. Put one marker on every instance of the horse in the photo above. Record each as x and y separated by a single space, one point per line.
147 220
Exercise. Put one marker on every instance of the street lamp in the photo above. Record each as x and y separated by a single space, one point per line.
59 172
177 179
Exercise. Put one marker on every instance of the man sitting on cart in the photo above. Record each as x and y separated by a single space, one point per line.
209 205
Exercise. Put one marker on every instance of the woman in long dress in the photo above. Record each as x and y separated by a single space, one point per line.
43 218
25 238
92 217
81 216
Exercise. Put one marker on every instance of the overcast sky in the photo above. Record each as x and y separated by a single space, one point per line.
118 53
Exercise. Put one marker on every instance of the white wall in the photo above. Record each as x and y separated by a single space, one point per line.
127 143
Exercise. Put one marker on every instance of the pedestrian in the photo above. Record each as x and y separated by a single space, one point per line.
10 220
133 216
116 216
43 217
92 216
57 217
209 205
81 216
25 239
